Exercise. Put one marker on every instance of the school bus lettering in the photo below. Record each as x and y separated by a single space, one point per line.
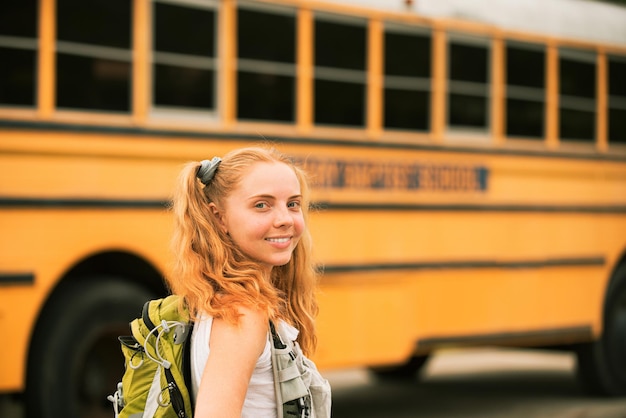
341 174
325 174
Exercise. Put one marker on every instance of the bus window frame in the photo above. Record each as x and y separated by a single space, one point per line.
462 133
80 50
269 67
163 114
341 74
613 101
412 83
526 93
587 56
97 51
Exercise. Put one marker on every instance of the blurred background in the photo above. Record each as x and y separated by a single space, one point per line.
468 168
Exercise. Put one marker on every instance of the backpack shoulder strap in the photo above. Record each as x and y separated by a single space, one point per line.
291 392
276 340
163 315
145 315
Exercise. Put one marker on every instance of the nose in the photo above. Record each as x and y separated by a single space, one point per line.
282 217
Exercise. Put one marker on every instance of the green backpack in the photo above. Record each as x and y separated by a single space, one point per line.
157 378
155 383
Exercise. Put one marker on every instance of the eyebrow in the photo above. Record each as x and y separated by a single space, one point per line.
269 196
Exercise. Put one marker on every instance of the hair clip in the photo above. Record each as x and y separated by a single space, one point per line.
207 169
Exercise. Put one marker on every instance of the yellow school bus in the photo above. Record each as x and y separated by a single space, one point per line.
469 175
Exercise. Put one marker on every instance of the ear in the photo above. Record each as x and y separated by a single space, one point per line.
219 216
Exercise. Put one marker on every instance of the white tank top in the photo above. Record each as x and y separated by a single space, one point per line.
260 401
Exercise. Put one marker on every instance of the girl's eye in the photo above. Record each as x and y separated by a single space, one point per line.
261 205
293 205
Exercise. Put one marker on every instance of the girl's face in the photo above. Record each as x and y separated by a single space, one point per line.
263 214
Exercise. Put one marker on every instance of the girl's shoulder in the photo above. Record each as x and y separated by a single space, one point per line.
254 318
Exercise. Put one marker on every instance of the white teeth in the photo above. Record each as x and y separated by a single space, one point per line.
280 240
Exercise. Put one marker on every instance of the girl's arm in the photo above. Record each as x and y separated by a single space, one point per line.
234 351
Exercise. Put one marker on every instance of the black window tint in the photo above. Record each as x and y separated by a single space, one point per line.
266 51
577 96
340 45
17 77
617 126
18 58
407 109
524 118
184 30
98 22
339 103
525 67
577 78
468 63
467 110
186 81
577 124
340 95
266 36
183 87
525 93
617 99
92 83
617 77
468 85
18 18
407 54
265 96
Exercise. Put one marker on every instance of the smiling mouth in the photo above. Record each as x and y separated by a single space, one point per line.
278 240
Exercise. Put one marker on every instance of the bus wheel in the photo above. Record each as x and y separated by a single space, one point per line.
602 364
75 359
406 370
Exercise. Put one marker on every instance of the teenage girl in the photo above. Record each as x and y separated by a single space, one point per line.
242 260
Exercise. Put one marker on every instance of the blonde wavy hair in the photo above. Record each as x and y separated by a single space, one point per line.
212 274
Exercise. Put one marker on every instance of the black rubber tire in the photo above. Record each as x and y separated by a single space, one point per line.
75 359
602 364
408 370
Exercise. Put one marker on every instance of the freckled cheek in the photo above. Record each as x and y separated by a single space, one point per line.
254 224
299 225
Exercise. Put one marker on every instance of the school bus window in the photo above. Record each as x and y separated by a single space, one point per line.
525 90
92 83
17 76
19 18
407 64
184 57
18 50
340 71
577 95
617 99
93 55
468 84
90 22
266 49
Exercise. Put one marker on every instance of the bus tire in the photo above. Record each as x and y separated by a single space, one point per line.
75 359
602 363
404 371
